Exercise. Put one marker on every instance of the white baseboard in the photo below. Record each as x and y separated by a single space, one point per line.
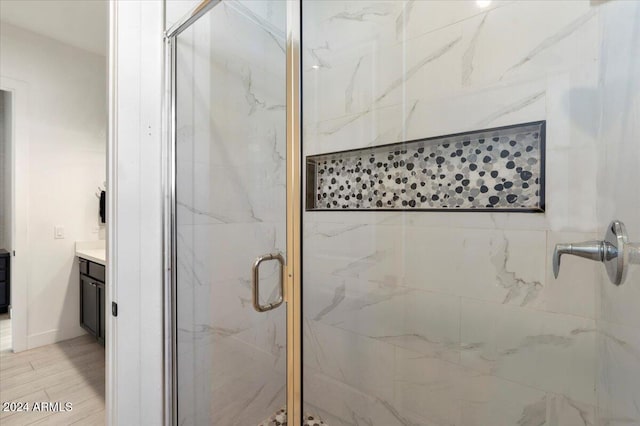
52 336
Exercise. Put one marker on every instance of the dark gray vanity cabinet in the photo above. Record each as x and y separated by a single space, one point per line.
5 278
92 298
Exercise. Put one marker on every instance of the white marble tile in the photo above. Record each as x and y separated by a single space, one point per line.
428 323
331 299
488 400
574 291
422 17
362 252
618 303
501 266
383 75
272 12
346 26
250 391
429 388
618 374
571 192
267 334
565 411
551 352
361 362
618 171
417 118
552 37
338 403
572 101
459 220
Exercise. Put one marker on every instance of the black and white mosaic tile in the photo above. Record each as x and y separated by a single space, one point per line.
280 419
493 169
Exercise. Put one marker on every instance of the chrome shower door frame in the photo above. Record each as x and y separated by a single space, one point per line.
292 286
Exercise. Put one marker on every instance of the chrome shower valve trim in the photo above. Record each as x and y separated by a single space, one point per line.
616 252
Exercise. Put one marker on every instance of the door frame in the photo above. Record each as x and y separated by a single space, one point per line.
19 149
292 291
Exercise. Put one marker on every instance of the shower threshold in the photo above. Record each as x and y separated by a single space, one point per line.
280 419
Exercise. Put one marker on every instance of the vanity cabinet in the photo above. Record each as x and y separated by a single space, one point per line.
92 298
5 277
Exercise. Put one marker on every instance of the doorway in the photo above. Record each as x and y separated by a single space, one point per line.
6 228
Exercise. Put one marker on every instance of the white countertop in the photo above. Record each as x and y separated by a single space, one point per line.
94 251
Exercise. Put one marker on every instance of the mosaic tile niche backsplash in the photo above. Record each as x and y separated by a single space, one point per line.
487 170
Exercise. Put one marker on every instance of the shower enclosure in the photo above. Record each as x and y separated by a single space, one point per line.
399 174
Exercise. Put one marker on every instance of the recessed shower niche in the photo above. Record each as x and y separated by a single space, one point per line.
498 169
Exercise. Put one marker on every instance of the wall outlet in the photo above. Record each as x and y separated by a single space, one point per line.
58 232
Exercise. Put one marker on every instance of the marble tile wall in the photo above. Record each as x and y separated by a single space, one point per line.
440 319
618 313
230 209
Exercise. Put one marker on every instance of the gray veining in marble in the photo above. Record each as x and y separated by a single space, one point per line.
510 281
348 94
339 231
362 14
252 100
407 121
403 19
343 122
355 268
534 414
275 34
395 413
196 211
552 40
414 69
338 297
511 108
469 53
319 61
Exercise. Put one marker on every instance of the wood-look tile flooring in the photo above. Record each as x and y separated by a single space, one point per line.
5 333
70 371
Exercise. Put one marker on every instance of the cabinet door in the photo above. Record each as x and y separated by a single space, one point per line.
88 305
4 294
101 311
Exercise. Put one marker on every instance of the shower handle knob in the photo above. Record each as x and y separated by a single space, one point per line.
615 252
594 250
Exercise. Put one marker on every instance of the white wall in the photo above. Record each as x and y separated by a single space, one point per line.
67 146
134 243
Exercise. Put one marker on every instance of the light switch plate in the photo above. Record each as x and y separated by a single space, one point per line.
58 232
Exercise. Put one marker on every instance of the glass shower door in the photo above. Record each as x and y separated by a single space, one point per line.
230 209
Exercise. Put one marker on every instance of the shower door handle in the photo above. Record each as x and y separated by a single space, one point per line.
255 274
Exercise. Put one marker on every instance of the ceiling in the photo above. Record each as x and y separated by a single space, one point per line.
80 23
